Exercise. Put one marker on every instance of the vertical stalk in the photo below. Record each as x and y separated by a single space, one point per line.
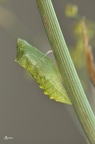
67 69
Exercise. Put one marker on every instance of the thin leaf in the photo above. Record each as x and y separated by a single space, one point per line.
88 54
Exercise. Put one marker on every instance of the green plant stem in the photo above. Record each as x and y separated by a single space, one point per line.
67 69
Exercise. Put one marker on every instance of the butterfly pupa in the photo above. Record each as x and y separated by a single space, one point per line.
43 70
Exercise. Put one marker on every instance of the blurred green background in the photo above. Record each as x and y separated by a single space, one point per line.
26 114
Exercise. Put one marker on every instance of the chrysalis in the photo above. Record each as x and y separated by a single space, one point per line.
43 70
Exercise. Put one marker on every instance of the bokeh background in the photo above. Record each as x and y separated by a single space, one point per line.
26 114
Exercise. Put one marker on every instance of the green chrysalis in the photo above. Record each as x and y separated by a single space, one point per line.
43 70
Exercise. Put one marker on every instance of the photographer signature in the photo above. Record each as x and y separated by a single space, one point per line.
8 138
